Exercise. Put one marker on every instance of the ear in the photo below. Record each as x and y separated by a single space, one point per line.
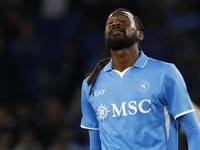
140 35
105 44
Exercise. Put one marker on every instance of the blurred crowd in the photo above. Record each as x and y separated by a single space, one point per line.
47 47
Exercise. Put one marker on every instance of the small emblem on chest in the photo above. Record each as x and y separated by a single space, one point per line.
102 112
143 86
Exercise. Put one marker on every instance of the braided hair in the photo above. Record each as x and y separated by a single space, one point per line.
104 62
95 72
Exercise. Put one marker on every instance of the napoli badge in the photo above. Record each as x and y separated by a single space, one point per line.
143 86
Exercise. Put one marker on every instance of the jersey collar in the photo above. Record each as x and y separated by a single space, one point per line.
140 63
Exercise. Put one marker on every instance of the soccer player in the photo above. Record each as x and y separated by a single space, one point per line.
133 102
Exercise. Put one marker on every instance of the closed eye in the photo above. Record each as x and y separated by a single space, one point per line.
124 21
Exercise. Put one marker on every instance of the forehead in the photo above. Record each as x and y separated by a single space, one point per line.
121 13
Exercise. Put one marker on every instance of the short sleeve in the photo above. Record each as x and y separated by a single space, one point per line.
89 120
175 92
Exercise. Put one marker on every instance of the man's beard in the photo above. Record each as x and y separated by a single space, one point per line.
117 43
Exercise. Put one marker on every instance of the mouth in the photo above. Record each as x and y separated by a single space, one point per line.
116 30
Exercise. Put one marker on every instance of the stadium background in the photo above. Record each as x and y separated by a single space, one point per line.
47 46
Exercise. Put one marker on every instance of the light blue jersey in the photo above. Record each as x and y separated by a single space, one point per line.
137 110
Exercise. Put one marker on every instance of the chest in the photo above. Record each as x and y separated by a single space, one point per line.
132 95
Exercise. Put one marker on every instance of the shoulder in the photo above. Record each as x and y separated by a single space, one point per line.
168 71
156 62
84 83
147 62
164 69
160 65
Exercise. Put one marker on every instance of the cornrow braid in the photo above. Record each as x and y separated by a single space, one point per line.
95 72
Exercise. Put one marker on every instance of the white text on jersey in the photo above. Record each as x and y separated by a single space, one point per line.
132 108
100 92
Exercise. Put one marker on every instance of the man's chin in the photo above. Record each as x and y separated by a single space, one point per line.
116 36
116 47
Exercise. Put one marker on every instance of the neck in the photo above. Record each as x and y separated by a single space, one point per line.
124 58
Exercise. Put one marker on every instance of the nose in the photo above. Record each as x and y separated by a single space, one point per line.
116 23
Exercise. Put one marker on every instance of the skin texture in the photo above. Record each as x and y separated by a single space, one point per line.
125 57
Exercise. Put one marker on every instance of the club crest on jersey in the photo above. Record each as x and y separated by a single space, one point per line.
102 111
143 86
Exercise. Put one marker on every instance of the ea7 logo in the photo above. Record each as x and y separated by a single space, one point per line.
100 92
